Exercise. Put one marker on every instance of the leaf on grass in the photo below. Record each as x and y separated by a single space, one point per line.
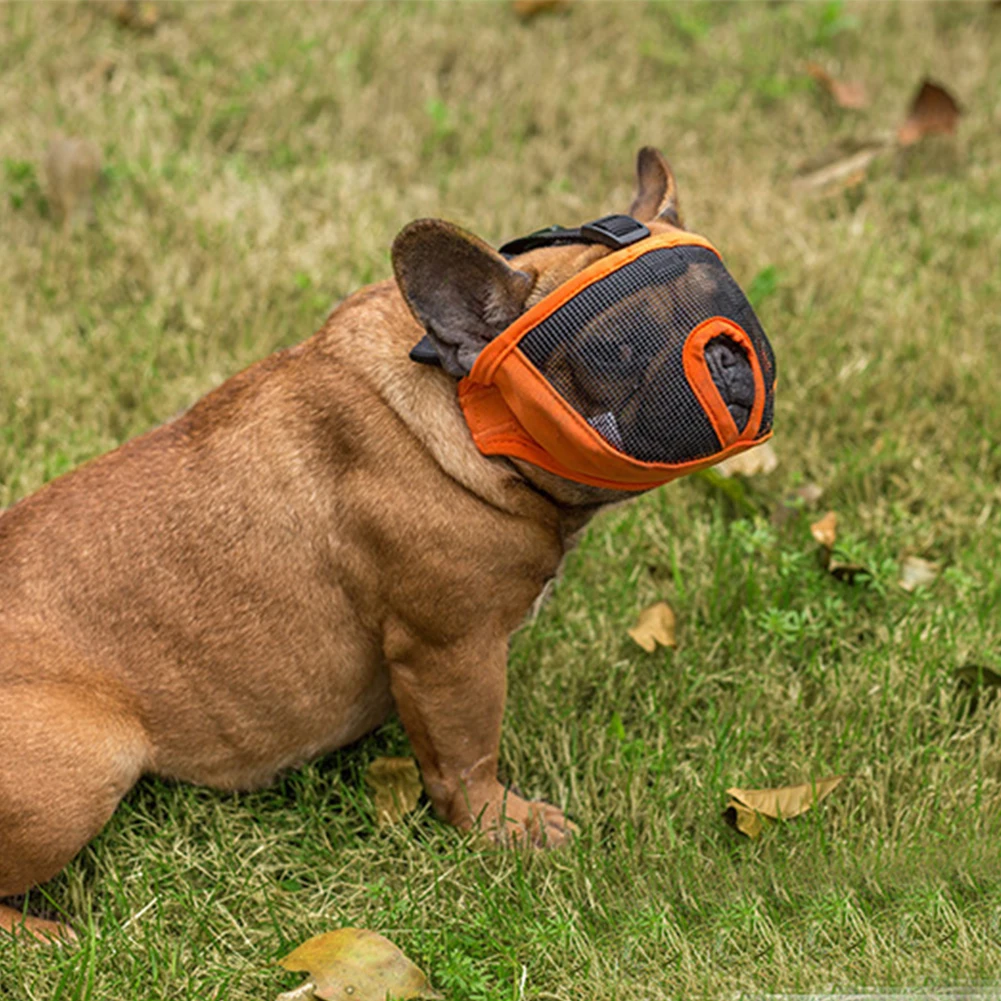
977 676
137 16
527 9
655 626
933 111
845 93
783 803
354 964
825 531
759 460
916 572
740 818
397 786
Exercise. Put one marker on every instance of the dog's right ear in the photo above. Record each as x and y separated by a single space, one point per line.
656 189
462 292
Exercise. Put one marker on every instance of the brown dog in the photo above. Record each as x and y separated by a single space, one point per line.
266 577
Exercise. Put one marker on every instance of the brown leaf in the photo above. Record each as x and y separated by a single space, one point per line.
846 93
354 964
740 818
759 460
137 16
825 531
976 676
397 786
916 572
654 625
786 802
527 9
933 110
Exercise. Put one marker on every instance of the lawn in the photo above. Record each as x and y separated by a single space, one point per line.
258 161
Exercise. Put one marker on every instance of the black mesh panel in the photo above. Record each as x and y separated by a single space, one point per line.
614 352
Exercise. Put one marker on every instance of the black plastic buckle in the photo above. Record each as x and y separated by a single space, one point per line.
549 236
616 231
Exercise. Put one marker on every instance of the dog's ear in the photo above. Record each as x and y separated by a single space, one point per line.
462 292
656 189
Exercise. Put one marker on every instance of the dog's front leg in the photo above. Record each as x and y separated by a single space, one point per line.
451 701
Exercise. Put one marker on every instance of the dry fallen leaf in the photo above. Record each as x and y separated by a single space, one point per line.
825 531
916 572
354 964
846 93
397 786
526 9
755 461
742 819
783 803
655 625
933 110
136 15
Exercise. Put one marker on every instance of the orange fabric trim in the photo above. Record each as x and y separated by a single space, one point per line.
693 357
512 410
514 442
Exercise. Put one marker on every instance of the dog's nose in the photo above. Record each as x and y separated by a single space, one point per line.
731 372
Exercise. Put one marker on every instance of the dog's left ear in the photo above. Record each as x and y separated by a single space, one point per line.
656 189
462 292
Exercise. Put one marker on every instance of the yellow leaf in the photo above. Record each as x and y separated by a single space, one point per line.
354 964
397 787
756 461
742 819
825 531
916 572
655 625
787 801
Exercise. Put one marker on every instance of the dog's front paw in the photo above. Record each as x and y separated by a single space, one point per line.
507 819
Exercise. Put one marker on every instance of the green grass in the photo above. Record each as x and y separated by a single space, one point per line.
259 161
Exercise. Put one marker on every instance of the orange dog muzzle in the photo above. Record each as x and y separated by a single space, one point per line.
646 366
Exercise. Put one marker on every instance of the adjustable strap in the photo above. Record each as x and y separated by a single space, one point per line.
615 231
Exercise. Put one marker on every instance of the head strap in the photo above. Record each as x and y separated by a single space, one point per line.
615 231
